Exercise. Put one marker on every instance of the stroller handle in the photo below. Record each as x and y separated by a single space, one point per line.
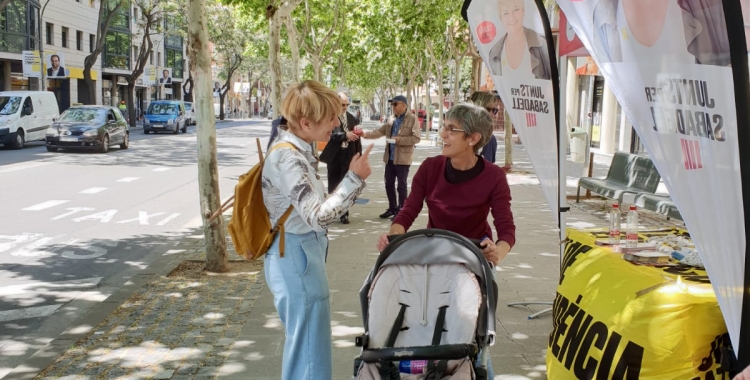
476 242
444 352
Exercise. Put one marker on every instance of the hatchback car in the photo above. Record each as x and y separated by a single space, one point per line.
88 127
165 116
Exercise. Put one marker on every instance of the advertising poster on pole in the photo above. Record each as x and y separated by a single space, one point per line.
166 75
55 65
32 64
668 63
512 41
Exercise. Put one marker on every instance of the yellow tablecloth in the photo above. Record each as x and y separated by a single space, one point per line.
616 320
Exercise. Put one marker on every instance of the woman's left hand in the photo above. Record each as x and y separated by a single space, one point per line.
490 251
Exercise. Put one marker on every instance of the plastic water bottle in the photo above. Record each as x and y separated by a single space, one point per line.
413 367
614 224
631 231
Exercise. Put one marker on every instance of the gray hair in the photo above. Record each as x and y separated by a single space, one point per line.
473 119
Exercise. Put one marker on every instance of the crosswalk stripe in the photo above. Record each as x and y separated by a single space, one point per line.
30 286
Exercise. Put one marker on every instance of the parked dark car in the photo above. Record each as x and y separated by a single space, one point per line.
375 116
88 127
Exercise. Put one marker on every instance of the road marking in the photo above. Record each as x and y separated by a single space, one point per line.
31 250
29 312
94 250
22 166
48 285
128 179
168 219
44 205
103 217
72 210
93 190
142 218
9 241
160 169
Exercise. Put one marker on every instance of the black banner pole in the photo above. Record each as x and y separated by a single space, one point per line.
738 49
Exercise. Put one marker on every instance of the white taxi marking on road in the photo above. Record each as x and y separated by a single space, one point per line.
10 241
103 217
92 190
94 251
71 211
142 218
31 250
23 166
168 219
128 179
44 205
29 312
160 169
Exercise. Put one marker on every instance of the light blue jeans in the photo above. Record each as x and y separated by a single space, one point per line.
300 291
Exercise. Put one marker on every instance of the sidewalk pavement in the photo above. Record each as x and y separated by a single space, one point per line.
189 325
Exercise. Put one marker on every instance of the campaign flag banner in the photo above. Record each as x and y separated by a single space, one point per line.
668 64
512 39
32 63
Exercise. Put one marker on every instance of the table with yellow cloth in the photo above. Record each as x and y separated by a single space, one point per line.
616 320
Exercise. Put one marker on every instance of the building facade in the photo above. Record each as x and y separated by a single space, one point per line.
63 34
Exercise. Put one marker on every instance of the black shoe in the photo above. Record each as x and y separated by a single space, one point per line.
387 214
345 219
395 214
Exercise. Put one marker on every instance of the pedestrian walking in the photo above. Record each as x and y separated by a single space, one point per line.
341 148
461 189
402 133
488 101
298 279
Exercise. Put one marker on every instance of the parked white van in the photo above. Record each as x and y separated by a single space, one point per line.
25 116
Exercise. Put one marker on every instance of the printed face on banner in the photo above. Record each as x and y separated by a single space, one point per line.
511 41
668 64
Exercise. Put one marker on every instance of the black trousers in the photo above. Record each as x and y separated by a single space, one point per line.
336 171
392 172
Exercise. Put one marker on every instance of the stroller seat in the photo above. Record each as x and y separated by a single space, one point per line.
423 291
431 297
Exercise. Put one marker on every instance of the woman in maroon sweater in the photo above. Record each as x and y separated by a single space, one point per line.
461 188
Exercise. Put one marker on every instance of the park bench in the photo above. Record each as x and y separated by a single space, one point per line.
658 203
628 174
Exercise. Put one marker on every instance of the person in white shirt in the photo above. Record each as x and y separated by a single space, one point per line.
298 279
56 70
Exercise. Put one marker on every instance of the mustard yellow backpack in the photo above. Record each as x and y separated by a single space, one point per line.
250 226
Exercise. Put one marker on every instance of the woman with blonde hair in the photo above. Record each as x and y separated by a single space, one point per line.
521 51
298 278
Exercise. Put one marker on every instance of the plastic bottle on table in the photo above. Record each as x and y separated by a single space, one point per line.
614 224
631 231
412 366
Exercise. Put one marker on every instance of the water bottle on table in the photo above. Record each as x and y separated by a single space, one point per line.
631 231
614 224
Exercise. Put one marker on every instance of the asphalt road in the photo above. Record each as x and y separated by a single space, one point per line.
76 226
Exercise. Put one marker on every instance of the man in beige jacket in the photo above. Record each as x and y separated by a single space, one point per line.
402 133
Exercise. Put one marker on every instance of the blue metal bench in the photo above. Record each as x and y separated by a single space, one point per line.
658 203
628 174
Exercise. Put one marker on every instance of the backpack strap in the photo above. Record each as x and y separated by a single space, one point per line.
280 224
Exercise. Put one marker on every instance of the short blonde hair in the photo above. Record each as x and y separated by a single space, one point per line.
310 100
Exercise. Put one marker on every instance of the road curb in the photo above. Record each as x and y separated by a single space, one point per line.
86 323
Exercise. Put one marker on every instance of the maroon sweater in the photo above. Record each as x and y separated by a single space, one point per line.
462 208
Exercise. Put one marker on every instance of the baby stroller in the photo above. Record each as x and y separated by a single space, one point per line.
429 302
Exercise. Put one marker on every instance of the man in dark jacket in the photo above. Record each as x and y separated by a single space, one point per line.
342 146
